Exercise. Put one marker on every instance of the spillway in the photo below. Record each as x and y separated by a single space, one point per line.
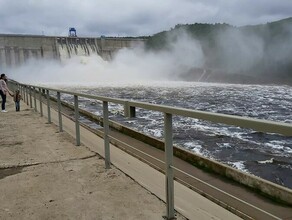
16 50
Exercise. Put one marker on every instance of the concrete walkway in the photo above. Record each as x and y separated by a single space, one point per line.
43 175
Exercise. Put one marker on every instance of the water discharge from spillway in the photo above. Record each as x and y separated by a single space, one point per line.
79 66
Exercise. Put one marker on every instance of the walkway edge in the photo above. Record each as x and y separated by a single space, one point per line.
187 202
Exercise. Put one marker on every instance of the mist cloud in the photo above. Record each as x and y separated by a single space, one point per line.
128 66
239 51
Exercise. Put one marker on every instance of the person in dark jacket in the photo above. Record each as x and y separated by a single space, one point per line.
4 91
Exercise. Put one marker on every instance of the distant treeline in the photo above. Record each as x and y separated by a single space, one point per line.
261 52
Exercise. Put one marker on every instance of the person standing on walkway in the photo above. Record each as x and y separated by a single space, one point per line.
16 98
3 91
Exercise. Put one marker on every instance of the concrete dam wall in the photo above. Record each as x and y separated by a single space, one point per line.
16 50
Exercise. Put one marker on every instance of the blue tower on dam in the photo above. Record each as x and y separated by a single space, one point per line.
72 32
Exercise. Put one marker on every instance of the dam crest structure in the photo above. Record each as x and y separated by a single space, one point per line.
16 50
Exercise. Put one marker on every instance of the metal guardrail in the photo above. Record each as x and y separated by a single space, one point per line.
129 109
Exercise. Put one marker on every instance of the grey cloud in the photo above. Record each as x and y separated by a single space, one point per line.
131 17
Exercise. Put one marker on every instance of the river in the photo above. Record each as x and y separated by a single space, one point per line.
265 155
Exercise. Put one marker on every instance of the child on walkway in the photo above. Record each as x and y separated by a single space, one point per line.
16 98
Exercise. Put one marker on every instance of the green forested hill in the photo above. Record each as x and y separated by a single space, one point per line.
256 53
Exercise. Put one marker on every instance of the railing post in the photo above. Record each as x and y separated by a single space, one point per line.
26 90
59 112
76 108
105 135
169 183
126 109
41 102
30 97
23 90
22 93
34 95
49 107
129 111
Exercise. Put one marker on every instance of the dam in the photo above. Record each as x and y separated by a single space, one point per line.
62 48
16 50
111 135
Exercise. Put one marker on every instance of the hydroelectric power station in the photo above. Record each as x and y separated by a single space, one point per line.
16 50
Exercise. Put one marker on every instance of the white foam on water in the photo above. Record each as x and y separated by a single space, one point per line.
98 113
266 161
154 132
274 146
239 165
286 166
224 145
278 147
288 150
194 147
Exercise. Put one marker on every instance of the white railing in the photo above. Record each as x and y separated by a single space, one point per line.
30 91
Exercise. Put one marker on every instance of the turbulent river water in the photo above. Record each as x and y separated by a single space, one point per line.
268 156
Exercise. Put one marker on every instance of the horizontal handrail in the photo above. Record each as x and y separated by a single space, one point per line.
101 98
240 121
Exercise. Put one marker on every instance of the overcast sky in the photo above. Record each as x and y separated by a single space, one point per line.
131 17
